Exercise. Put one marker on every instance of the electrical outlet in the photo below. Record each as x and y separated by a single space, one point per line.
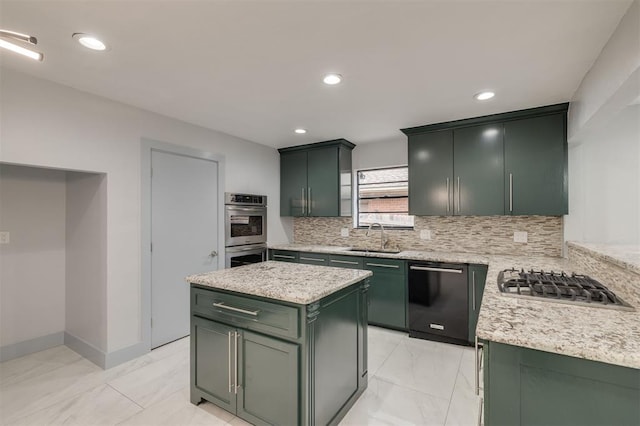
5 237
520 237
425 234
344 232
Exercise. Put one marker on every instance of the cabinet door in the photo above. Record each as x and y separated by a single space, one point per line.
431 173
314 259
387 293
323 182
536 166
477 280
478 170
212 361
268 380
293 183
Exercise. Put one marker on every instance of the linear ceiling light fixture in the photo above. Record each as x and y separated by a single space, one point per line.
24 38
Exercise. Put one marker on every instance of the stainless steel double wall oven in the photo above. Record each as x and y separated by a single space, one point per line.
245 229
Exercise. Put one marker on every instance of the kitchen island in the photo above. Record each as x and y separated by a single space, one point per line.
278 343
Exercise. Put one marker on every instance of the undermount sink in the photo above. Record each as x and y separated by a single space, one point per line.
390 251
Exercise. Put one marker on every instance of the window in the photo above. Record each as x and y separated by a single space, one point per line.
383 197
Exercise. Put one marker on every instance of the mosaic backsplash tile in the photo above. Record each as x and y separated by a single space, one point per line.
469 234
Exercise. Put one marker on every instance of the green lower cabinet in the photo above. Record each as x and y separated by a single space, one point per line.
267 366
477 279
529 387
311 372
387 292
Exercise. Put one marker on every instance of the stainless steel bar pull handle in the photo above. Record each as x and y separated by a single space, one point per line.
304 203
424 268
346 262
313 259
231 308
458 194
473 290
284 256
382 265
310 203
235 374
510 192
448 197
229 353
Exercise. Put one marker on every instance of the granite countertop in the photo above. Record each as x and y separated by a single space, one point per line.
597 334
626 256
288 282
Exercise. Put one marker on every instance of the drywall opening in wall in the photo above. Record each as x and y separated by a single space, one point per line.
52 258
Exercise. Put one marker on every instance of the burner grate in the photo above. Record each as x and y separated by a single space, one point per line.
558 286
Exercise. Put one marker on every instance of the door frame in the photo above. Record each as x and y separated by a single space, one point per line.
147 146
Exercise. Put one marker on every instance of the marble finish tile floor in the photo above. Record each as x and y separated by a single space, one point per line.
411 382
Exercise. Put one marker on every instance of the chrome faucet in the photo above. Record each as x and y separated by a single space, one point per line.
382 242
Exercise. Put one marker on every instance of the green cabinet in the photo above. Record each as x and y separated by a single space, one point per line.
477 279
457 172
274 362
535 156
431 173
257 365
387 292
529 387
510 163
315 179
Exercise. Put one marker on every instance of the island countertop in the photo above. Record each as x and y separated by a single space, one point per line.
288 282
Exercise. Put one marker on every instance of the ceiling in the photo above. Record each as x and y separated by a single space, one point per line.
254 69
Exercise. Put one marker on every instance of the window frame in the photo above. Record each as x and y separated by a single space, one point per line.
356 199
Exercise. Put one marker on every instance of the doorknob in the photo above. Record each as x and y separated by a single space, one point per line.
213 253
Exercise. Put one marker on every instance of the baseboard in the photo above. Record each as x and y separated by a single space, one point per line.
87 350
30 346
126 354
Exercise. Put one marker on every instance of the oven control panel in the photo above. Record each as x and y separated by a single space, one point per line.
245 199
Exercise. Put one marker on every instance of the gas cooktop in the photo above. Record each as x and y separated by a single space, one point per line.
559 287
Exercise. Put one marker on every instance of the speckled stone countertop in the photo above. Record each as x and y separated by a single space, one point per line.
624 255
597 334
289 282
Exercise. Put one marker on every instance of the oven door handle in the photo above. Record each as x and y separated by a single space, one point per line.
238 250
247 209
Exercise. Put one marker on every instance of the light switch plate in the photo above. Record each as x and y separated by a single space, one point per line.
344 232
425 234
520 237
5 237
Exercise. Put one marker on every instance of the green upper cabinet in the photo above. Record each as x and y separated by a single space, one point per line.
430 173
502 164
478 169
315 179
457 172
535 155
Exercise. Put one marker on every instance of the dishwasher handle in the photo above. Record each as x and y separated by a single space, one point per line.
432 269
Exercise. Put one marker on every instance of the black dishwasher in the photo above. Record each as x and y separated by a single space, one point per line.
438 302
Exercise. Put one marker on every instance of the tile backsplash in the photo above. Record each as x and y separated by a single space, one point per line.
470 234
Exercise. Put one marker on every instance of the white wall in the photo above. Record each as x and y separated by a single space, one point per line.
604 201
381 154
47 124
86 258
32 265
604 142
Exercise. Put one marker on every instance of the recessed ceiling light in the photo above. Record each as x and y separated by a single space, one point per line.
89 41
300 131
483 96
332 79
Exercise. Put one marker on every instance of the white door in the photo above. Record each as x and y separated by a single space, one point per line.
184 235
